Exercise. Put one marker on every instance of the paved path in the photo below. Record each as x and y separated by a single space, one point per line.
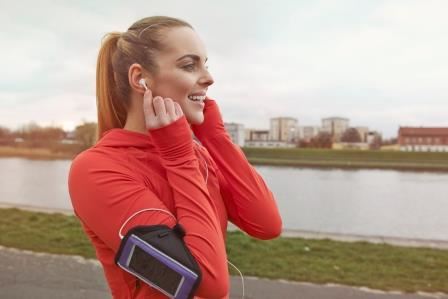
25 274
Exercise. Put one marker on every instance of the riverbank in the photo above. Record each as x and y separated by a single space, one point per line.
287 233
349 159
296 157
376 266
34 153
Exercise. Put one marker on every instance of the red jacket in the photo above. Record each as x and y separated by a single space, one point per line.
128 171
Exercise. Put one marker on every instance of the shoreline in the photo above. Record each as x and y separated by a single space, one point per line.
287 233
349 165
46 155
34 153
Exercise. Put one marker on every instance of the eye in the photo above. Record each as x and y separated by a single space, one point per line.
188 67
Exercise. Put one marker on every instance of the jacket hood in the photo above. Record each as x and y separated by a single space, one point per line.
118 137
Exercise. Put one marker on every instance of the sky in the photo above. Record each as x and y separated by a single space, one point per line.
382 64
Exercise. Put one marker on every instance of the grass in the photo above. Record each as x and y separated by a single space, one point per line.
437 161
299 157
376 266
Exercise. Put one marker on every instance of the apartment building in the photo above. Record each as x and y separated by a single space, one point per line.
306 133
363 132
236 132
336 126
283 129
422 139
256 135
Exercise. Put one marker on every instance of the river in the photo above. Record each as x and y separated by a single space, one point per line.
386 203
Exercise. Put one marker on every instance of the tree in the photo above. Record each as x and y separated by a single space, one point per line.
6 137
37 136
85 134
322 140
4 132
392 140
304 144
351 135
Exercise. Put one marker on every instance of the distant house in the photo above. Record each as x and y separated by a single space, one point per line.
336 126
306 133
269 144
283 129
236 132
363 133
421 139
256 135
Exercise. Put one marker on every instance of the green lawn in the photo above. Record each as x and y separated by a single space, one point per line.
348 158
299 157
321 261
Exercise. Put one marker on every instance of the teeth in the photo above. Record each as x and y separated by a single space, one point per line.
196 98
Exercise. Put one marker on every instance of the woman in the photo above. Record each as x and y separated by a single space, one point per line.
146 157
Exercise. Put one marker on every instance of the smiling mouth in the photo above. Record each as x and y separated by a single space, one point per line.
196 98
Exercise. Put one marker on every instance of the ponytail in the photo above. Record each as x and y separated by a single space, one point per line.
111 111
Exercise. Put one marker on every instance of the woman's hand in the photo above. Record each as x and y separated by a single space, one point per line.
159 112
213 123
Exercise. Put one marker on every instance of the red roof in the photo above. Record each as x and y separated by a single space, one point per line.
421 131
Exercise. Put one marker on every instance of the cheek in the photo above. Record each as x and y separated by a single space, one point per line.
185 83
176 84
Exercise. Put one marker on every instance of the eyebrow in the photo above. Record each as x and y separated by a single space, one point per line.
192 56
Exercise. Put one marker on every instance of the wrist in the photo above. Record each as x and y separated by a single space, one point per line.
173 141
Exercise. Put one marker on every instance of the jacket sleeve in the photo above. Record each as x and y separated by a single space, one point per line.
250 204
106 193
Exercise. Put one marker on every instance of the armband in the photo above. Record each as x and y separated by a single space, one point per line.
158 256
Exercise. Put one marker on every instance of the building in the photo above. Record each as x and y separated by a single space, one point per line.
336 126
363 132
268 144
306 133
260 138
256 135
372 135
236 132
423 139
370 140
283 129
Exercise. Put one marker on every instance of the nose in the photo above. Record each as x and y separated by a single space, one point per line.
206 78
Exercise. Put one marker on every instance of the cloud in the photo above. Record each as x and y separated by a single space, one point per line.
66 109
380 63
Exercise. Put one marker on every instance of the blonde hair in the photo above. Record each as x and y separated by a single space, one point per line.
118 51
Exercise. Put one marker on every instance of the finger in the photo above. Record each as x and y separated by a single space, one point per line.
169 106
159 106
178 109
147 103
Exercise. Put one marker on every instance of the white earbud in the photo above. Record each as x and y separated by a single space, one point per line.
143 83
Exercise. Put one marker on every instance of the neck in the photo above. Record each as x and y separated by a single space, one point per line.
135 119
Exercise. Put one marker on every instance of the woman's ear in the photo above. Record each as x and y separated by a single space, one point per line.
135 74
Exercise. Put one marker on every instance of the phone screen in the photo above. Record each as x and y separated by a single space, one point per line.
155 271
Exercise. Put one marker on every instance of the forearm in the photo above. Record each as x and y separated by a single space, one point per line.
250 203
195 209
248 198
